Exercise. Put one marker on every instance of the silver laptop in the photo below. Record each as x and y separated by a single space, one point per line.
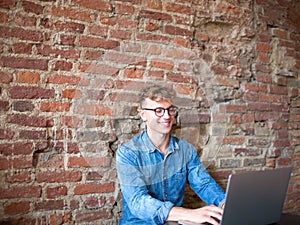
256 197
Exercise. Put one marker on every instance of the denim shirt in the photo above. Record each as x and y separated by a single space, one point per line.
152 183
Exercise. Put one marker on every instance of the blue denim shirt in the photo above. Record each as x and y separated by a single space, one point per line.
152 183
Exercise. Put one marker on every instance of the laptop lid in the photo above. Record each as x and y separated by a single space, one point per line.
256 197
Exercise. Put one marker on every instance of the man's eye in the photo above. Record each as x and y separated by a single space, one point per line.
159 110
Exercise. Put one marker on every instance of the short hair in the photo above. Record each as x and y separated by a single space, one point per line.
157 93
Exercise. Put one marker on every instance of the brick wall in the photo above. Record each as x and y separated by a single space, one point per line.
71 71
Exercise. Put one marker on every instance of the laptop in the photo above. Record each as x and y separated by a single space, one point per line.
255 197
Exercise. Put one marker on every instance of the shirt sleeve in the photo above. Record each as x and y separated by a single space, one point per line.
202 183
134 190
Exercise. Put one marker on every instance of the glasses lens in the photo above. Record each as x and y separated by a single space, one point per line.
172 111
159 111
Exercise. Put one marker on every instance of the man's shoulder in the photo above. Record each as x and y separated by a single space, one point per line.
134 144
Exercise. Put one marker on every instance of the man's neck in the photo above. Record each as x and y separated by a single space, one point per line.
160 141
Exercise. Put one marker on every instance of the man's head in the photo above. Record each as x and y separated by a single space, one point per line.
156 93
156 109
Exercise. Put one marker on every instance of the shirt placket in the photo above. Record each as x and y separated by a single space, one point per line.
165 186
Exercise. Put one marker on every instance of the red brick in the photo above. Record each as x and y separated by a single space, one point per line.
281 143
95 4
93 55
32 7
6 133
30 92
32 121
180 53
154 4
183 89
126 59
94 42
6 77
262 58
88 162
263 47
23 106
62 65
28 77
8 4
42 160
95 202
57 191
94 109
4 106
230 108
30 35
264 38
15 208
179 8
24 63
4 163
55 106
269 98
176 77
25 191
162 64
155 15
62 26
71 94
225 81
71 13
124 9
49 205
58 177
18 177
247 152
134 73
83 189
62 79
94 215
233 140
153 37
22 48
21 148
99 68
67 39
108 20
4 17
101 31
279 33
24 20
172 30
265 78
30 134
120 34
58 218
46 50
158 74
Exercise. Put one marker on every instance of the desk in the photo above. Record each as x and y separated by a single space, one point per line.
286 219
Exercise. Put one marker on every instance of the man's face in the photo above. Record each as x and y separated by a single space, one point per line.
156 124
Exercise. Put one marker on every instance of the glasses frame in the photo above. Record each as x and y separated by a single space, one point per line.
164 110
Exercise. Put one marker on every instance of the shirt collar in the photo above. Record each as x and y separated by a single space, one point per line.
149 147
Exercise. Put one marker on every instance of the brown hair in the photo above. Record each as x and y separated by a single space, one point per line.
156 93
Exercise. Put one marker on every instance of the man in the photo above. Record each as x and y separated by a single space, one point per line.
154 166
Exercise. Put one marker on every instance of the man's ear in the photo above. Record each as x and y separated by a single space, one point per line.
142 115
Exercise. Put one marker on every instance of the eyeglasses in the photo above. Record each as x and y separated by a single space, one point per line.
160 111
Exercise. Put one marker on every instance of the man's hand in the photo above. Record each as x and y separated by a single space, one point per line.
207 214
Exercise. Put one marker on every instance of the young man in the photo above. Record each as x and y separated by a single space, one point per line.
154 166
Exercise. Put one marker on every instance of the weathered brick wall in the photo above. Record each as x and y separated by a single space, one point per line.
71 71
